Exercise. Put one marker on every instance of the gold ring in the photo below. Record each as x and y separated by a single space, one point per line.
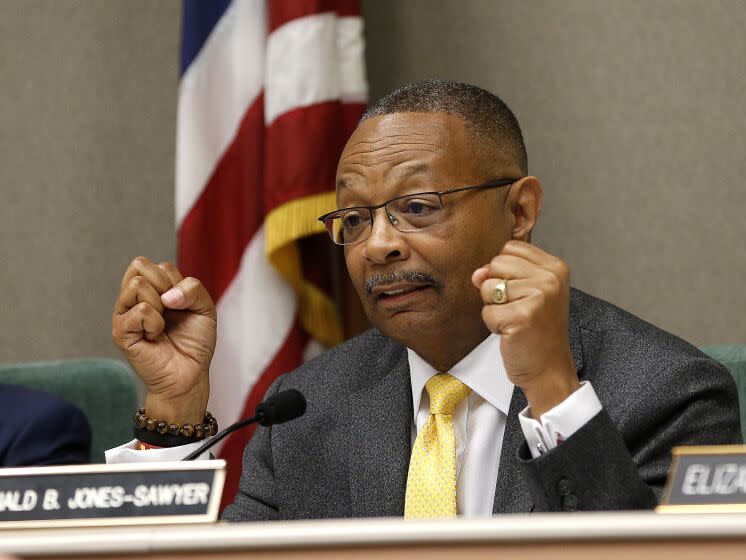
500 292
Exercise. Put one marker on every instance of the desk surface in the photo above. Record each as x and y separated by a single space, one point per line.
579 535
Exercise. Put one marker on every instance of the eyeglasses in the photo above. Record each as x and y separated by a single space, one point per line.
408 214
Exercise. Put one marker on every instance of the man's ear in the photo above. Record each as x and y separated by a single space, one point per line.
524 203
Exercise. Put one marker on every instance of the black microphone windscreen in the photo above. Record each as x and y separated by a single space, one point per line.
282 407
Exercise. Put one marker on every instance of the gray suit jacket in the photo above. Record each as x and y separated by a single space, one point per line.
348 456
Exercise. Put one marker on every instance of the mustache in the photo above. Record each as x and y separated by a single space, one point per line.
413 276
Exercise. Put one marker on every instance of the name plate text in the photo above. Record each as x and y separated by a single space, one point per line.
127 494
706 478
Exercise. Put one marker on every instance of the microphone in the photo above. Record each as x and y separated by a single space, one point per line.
282 407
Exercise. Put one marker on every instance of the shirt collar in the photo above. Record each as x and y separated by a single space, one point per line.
482 370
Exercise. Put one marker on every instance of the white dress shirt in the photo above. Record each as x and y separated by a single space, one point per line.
129 453
479 421
479 424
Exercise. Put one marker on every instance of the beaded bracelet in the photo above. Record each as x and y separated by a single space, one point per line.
164 434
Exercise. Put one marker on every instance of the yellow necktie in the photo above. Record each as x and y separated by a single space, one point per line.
431 483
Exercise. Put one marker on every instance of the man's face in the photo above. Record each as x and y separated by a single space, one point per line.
419 284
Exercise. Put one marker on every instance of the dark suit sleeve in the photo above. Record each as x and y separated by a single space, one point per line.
255 500
622 463
46 431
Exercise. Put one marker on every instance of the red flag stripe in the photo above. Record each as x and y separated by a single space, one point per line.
282 11
228 213
302 149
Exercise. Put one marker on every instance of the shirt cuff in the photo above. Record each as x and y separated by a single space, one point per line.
129 453
560 422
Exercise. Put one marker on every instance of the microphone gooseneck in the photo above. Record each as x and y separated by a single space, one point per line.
284 406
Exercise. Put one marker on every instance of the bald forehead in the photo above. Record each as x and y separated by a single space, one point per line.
401 171
395 140
401 144
379 137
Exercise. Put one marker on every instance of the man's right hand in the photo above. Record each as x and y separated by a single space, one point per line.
166 327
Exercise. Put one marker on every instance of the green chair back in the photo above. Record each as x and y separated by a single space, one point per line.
734 358
104 389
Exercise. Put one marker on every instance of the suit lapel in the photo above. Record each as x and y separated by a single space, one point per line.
381 419
574 332
511 492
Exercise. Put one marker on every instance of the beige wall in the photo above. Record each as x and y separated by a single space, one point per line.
87 112
633 114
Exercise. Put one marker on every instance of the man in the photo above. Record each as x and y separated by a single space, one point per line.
488 385
41 429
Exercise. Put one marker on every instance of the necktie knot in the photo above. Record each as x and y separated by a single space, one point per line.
446 392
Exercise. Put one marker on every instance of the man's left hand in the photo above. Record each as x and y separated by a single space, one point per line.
532 323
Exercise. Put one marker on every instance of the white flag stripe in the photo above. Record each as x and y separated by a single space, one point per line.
314 59
351 48
255 314
226 77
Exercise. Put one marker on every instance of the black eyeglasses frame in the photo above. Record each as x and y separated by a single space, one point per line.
440 194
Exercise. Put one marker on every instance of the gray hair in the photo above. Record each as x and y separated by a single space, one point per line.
485 115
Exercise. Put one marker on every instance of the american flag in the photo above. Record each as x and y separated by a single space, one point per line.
270 90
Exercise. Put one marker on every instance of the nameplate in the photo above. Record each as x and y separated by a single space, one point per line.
125 494
708 478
